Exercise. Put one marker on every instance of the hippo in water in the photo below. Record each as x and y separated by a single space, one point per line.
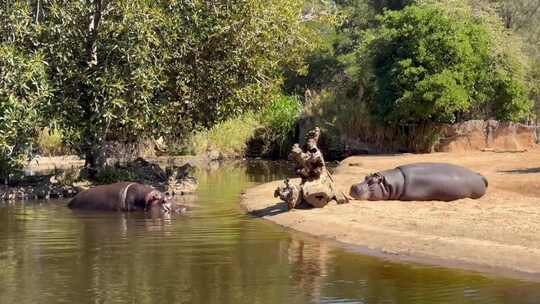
421 182
121 196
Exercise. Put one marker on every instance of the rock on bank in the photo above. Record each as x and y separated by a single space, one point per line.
499 232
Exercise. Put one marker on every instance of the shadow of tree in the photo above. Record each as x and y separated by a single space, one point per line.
522 171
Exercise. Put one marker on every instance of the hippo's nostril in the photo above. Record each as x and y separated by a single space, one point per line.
355 191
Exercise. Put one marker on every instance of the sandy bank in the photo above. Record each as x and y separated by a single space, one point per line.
500 231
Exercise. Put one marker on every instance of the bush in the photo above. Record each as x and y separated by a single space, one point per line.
278 121
438 62
348 126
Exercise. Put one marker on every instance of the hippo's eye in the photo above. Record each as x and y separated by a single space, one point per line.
373 181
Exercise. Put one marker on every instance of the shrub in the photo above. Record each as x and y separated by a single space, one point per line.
278 121
348 126
438 62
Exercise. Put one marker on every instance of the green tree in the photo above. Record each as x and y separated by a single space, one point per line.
332 63
523 17
436 62
234 55
24 87
106 60
127 69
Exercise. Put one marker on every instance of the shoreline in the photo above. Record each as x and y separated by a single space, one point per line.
420 260
41 174
498 233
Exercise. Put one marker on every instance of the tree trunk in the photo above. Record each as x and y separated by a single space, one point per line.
93 28
92 147
37 11
94 157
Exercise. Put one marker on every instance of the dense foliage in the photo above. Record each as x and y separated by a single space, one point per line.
127 69
348 79
436 63
24 87
523 18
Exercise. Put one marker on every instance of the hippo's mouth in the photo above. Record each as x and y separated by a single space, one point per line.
166 207
359 192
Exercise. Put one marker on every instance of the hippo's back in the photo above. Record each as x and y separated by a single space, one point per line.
103 197
441 181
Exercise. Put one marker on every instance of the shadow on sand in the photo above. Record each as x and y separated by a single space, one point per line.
275 209
522 171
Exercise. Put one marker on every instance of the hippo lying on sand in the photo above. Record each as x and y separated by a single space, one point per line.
122 196
421 182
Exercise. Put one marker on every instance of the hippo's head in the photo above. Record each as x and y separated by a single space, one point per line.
164 203
156 199
373 188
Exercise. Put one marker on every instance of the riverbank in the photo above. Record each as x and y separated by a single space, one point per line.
59 176
499 232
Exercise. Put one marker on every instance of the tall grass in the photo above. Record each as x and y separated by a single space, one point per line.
274 126
112 174
278 121
229 137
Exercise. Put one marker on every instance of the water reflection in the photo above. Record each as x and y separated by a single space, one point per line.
50 254
309 262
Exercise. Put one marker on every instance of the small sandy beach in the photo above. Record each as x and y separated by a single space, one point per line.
499 232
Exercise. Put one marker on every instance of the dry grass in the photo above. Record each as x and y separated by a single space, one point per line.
50 142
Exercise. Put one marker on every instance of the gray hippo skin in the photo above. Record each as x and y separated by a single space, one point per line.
421 182
122 196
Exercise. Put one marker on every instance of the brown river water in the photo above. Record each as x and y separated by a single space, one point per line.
217 254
